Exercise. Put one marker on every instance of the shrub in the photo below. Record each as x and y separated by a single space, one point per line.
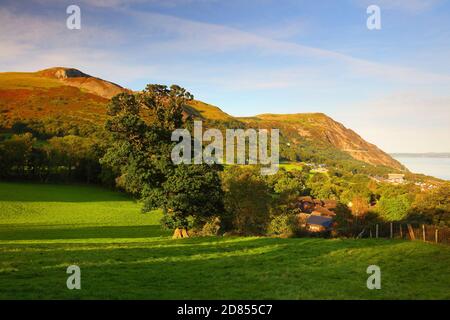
211 227
204 227
284 225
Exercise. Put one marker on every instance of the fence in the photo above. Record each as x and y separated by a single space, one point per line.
407 231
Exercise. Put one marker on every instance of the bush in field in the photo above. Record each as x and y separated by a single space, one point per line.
206 227
284 225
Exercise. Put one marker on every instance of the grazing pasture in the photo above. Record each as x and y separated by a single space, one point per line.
124 254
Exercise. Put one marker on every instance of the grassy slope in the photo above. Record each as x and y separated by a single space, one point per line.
26 80
124 254
29 95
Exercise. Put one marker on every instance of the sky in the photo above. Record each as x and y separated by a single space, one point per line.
248 57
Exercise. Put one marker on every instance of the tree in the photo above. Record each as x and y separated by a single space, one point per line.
322 187
247 200
285 187
394 208
360 207
433 206
141 126
16 154
77 156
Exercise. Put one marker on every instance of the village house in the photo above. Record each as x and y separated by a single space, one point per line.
322 211
396 178
425 186
316 223
316 215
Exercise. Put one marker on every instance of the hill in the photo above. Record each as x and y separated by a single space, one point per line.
69 97
321 128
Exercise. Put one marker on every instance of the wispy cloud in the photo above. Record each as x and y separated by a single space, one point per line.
127 3
411 6
165 35
193 36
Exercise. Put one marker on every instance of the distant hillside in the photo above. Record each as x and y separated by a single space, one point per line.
321 128
71 96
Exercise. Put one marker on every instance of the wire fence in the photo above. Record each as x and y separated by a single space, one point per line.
407 231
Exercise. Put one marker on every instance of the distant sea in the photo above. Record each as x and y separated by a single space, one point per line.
437 166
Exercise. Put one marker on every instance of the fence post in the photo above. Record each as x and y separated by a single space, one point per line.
423 232
376 231
392 230
436 235
411 232
401 231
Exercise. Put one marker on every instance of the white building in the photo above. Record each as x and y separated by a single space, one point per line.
397 178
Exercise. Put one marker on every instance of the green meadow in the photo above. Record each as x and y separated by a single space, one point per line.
124 254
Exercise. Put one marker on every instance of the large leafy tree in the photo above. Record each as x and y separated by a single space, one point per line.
141 126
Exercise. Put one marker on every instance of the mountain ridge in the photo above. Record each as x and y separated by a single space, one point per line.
69 92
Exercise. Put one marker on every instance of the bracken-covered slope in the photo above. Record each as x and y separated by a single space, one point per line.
38 95
67 93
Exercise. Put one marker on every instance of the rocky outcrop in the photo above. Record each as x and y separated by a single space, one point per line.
76 78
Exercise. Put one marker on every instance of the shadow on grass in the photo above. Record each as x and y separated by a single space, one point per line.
258 269
220 268
78 232
40 192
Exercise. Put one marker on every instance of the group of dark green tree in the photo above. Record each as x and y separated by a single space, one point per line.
132 152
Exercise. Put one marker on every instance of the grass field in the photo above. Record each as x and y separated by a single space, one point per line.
124 254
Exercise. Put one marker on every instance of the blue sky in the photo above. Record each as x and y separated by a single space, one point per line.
392 86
